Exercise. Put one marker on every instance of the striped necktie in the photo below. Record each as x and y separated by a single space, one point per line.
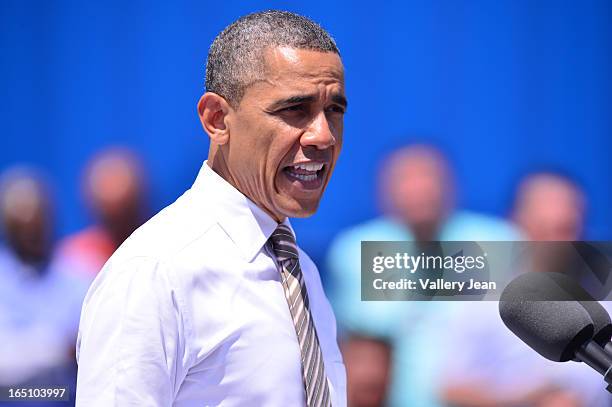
313 369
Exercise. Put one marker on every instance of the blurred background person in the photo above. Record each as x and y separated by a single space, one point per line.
549 207
368 366
39 303
417 194
114 190
489 365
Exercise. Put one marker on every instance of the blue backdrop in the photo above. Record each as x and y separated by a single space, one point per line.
500 86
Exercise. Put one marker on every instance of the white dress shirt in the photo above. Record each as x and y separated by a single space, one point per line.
190 311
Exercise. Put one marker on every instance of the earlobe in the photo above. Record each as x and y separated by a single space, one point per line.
213 109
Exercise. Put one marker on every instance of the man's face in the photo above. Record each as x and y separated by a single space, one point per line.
551 210
286 134
420 192
26 220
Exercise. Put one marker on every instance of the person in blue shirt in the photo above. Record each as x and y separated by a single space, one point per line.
40 302
417 195
494 367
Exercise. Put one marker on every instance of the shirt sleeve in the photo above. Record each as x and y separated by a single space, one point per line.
131 346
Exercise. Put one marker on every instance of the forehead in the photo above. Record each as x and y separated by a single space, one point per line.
280 61
544 190
289 69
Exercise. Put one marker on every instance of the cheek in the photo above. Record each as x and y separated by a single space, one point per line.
269 169
337 148
337 123
250 146
338 132
283 149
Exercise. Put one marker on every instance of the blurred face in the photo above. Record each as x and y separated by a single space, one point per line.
115 189
286 134
550 210
29 238
419 194
26 220
368 369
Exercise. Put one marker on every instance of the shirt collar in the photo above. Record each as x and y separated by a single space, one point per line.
246 224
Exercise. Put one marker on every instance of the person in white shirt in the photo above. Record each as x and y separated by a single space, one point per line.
211 302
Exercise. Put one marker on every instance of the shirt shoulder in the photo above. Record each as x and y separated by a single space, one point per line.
150 253
465 225
170 230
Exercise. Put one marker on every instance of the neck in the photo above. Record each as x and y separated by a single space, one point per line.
216 161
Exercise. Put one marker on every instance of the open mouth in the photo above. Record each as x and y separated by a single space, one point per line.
307 175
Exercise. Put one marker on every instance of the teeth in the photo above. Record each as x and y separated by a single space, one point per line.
305 177
309 166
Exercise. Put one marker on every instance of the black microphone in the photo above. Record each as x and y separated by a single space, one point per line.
602 325
546 317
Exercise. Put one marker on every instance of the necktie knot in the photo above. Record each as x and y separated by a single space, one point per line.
283 243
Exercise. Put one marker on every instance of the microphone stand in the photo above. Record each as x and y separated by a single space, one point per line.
593 355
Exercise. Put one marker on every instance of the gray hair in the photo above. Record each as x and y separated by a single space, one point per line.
235 59
23 191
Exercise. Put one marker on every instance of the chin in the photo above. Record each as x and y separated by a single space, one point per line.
297 209
304 214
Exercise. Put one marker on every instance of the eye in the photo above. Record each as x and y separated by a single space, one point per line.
293 108
336 109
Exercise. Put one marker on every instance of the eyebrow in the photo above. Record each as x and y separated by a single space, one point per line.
298 99
292 100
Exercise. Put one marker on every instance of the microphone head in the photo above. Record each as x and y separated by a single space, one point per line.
602 324
544 316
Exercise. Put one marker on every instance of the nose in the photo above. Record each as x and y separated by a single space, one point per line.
319 134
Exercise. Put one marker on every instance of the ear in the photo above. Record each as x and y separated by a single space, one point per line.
213 110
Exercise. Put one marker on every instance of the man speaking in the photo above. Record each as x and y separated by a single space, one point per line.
211 302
